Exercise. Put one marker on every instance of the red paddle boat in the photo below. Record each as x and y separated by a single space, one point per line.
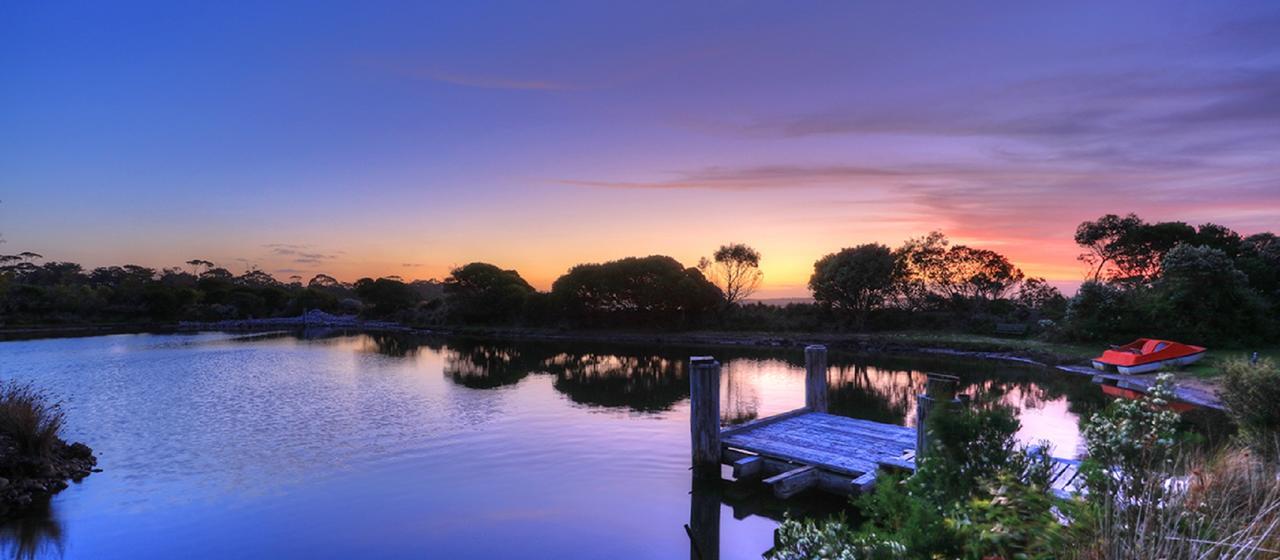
1146 355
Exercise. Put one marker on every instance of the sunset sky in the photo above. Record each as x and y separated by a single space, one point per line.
365 139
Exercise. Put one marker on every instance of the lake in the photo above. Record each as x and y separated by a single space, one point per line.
349 445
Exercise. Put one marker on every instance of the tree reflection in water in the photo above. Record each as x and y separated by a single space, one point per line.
486 366
647 379
35 534
641 381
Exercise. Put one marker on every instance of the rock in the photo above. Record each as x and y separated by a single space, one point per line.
79 450
4 483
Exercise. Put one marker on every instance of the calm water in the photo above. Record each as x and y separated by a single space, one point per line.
368 446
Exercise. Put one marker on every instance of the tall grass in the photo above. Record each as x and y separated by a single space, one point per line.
30 418
1226 507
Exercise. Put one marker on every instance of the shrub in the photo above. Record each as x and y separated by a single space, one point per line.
1131 442
30 419
977 495
1251 392
1103 312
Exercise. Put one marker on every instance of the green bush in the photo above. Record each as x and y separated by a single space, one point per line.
1251 393
1130 442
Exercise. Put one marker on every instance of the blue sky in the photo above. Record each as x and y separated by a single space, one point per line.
406 138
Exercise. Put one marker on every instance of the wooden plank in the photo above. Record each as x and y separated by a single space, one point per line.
864 483
756 424
793 482
844 445
748 468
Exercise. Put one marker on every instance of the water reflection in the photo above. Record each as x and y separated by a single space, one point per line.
486 366
35 534
757 382
639 381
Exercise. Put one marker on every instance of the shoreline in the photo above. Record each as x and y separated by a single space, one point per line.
1034 353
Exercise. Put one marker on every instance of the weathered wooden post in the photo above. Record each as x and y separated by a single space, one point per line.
704 415
939 391
815 378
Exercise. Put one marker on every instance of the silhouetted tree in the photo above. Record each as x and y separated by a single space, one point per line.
735 269
385 296
856 280
1129 250
929 268
650 289
483 293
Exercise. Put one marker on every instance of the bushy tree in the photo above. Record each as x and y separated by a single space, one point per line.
483 293
1128 249
1100 312
636 289
856 280
932 271
385 296
1202 297
1041 299
1259 260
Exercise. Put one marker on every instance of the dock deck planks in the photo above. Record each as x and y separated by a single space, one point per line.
850 450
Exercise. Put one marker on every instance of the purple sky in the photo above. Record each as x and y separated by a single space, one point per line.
401 138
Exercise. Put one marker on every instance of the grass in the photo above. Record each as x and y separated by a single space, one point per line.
1211 365
1061 352
30 418
1228 506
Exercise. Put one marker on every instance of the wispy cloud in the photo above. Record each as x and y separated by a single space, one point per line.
300 254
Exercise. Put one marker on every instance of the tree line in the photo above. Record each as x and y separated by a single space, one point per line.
1204 283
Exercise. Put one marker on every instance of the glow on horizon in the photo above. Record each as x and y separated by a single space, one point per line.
303 139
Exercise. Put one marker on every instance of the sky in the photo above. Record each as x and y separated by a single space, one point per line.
382 138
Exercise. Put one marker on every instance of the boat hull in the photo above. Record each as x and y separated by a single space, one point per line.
1149 367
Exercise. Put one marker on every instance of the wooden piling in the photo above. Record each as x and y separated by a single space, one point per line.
815 378
704 415
939 391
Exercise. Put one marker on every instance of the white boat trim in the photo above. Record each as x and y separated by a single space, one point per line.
1157 365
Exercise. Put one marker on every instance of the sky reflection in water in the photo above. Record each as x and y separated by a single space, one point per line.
378 446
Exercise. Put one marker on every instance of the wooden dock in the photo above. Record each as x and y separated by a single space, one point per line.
809 449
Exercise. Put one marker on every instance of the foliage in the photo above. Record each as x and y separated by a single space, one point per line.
1010 518
1040 299
1131 442
29 418
484 293
932 269
1103 312
636 290
735 269
856 280
978 495
834 539
386 296
1251 392
1128 249
1202 297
